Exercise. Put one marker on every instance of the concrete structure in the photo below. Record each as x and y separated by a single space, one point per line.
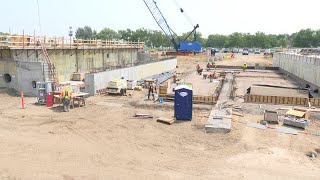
304 69
219 121
97 82
22 61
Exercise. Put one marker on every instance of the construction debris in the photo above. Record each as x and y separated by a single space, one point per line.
312 154
143 116
256 125
287 130
296 122
237 114
299 113
297 118
271 116
166 120
138 88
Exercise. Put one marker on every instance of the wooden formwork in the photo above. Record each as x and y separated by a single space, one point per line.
163 92
196 99
281 100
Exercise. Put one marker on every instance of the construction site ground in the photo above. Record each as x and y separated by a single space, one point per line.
102 139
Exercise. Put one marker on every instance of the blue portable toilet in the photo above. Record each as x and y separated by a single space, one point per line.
183 102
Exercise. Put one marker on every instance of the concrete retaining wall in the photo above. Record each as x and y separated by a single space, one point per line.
26 65
97 82
68 62
23 76
305 69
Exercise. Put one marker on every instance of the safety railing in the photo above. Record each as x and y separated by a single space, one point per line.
25 41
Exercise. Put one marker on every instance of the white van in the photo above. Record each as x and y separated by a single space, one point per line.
115 86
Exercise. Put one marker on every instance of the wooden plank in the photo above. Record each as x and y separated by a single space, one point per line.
285 100
278 100
261 99
298 101
246 97
311 100
265 99
273 99
269 99
290 99
294 101
166 120
317 102
253 98
304 101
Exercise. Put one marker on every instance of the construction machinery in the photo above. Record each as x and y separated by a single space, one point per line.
44 89
183 47
117 86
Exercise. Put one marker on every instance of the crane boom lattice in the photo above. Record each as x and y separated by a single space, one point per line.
161 21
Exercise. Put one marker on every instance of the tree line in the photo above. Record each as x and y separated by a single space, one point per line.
155 38
306 38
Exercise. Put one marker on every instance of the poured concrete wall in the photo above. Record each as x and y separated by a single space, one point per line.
96 82
23 75
8 67
25 66
304 69
68 62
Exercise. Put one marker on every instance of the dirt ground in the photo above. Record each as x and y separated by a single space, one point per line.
104 141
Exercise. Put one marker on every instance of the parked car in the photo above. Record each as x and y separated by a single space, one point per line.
250 50
245 52
257 51
267 52
225 50
235 50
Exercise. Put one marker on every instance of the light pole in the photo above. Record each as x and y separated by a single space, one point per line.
70 34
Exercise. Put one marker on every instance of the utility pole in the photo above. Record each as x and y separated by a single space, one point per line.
70 34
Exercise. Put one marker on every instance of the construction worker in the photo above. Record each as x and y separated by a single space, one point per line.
208 66
244 67
199 69
213 52
66 96
151 90
174 78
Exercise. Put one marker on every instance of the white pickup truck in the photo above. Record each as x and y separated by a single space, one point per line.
115 86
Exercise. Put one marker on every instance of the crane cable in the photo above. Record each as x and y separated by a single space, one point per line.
39 17
192 23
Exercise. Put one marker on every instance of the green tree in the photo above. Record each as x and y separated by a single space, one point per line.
316 38
85 33
260 40
109 34
235 40
125 34
304 38
216 40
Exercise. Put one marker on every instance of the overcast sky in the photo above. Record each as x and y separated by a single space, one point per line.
213 16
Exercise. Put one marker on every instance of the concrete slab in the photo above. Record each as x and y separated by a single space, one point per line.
219 121
256 125
287 130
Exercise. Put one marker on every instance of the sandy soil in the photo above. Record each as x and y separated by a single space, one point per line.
105 142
